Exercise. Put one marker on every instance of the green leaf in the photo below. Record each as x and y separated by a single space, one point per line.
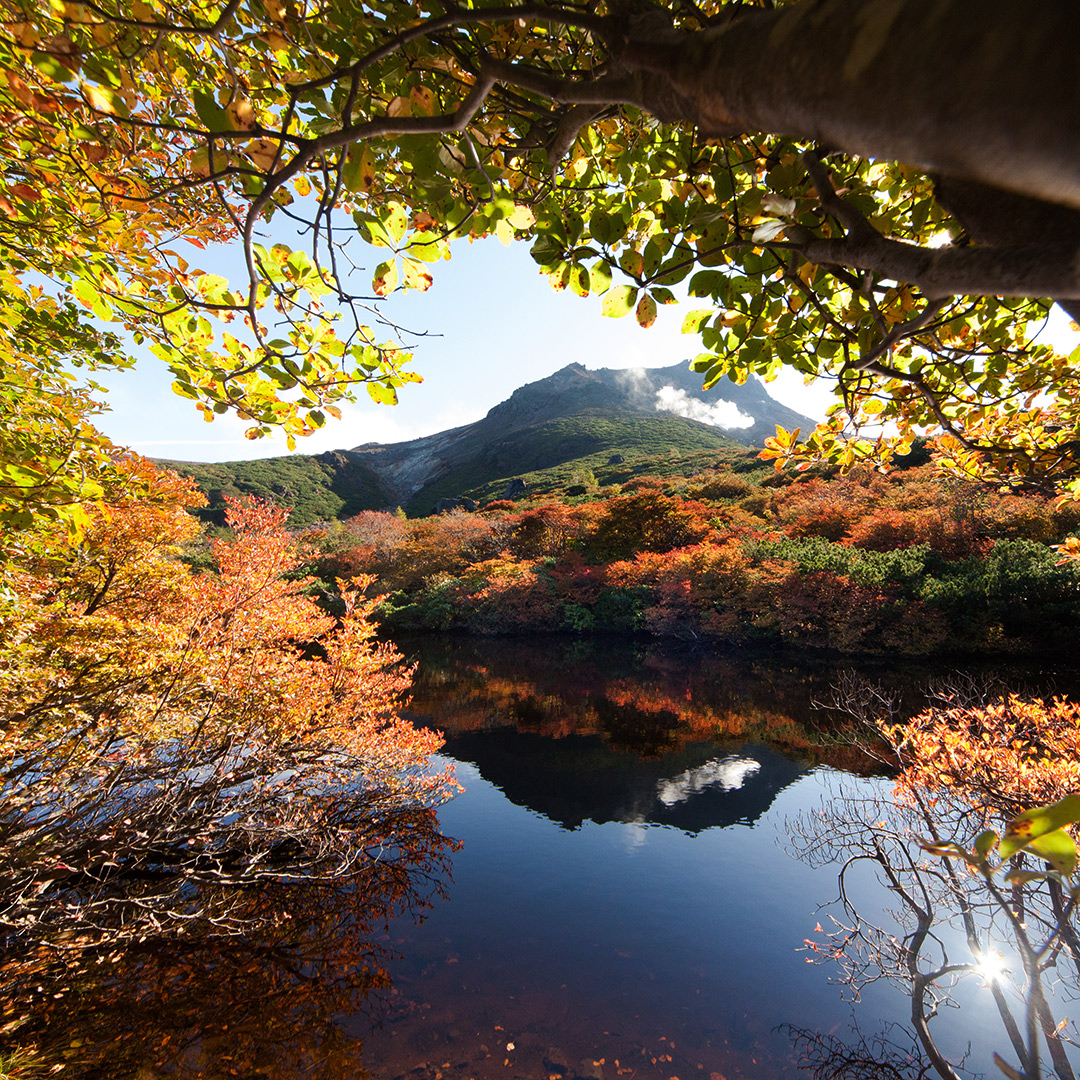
209 111
600 227
49 66
694 320
1058 849
384 395
706 283
373 231
546 250
358 169
619 301
1034 823
428 249
579 280
86 293
632 262
212 286
600 277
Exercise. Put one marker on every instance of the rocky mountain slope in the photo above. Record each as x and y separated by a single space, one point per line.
573 422
534 429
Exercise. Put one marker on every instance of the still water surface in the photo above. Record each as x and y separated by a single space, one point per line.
624 902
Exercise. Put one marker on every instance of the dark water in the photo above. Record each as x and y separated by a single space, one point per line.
624 902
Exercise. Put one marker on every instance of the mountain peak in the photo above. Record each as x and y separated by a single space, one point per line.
557 419
745 413
606 423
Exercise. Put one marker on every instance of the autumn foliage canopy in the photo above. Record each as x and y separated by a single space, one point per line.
175 740
866 562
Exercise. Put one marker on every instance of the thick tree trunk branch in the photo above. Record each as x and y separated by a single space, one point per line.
987 92
1033 270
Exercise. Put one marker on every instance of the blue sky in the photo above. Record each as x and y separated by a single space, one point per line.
493 324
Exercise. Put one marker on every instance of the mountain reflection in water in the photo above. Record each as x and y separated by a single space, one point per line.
622 734
728 774
579 778
621 905
624 903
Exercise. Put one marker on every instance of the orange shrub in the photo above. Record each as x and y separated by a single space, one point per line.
1003 757
647 521
888 529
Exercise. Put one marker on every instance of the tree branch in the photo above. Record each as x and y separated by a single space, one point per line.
1026 270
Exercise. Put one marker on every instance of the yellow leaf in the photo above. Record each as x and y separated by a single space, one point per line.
358 171
262 152
241 114
646 311
423 100
522 217
416 277
385 279
99 101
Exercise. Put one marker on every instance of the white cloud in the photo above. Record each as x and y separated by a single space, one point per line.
722 414
635 379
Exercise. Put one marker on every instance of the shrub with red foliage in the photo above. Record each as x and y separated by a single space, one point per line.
648 521
542 530
825 508
576 581
889 529
828 610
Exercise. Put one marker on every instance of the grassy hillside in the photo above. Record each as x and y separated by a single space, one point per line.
549 458
317 488
552 456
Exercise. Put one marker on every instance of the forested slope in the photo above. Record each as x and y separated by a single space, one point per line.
908 562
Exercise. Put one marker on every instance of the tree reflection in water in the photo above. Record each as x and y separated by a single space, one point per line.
947 925
202 1000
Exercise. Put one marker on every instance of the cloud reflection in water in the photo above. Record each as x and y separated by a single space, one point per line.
726 773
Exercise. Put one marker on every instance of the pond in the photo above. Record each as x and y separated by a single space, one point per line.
622 897
625 901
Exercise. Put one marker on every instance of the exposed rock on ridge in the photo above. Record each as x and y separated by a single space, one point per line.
404 469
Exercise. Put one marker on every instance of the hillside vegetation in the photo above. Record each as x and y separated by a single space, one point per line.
909 562
546 458
547 436
315 488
